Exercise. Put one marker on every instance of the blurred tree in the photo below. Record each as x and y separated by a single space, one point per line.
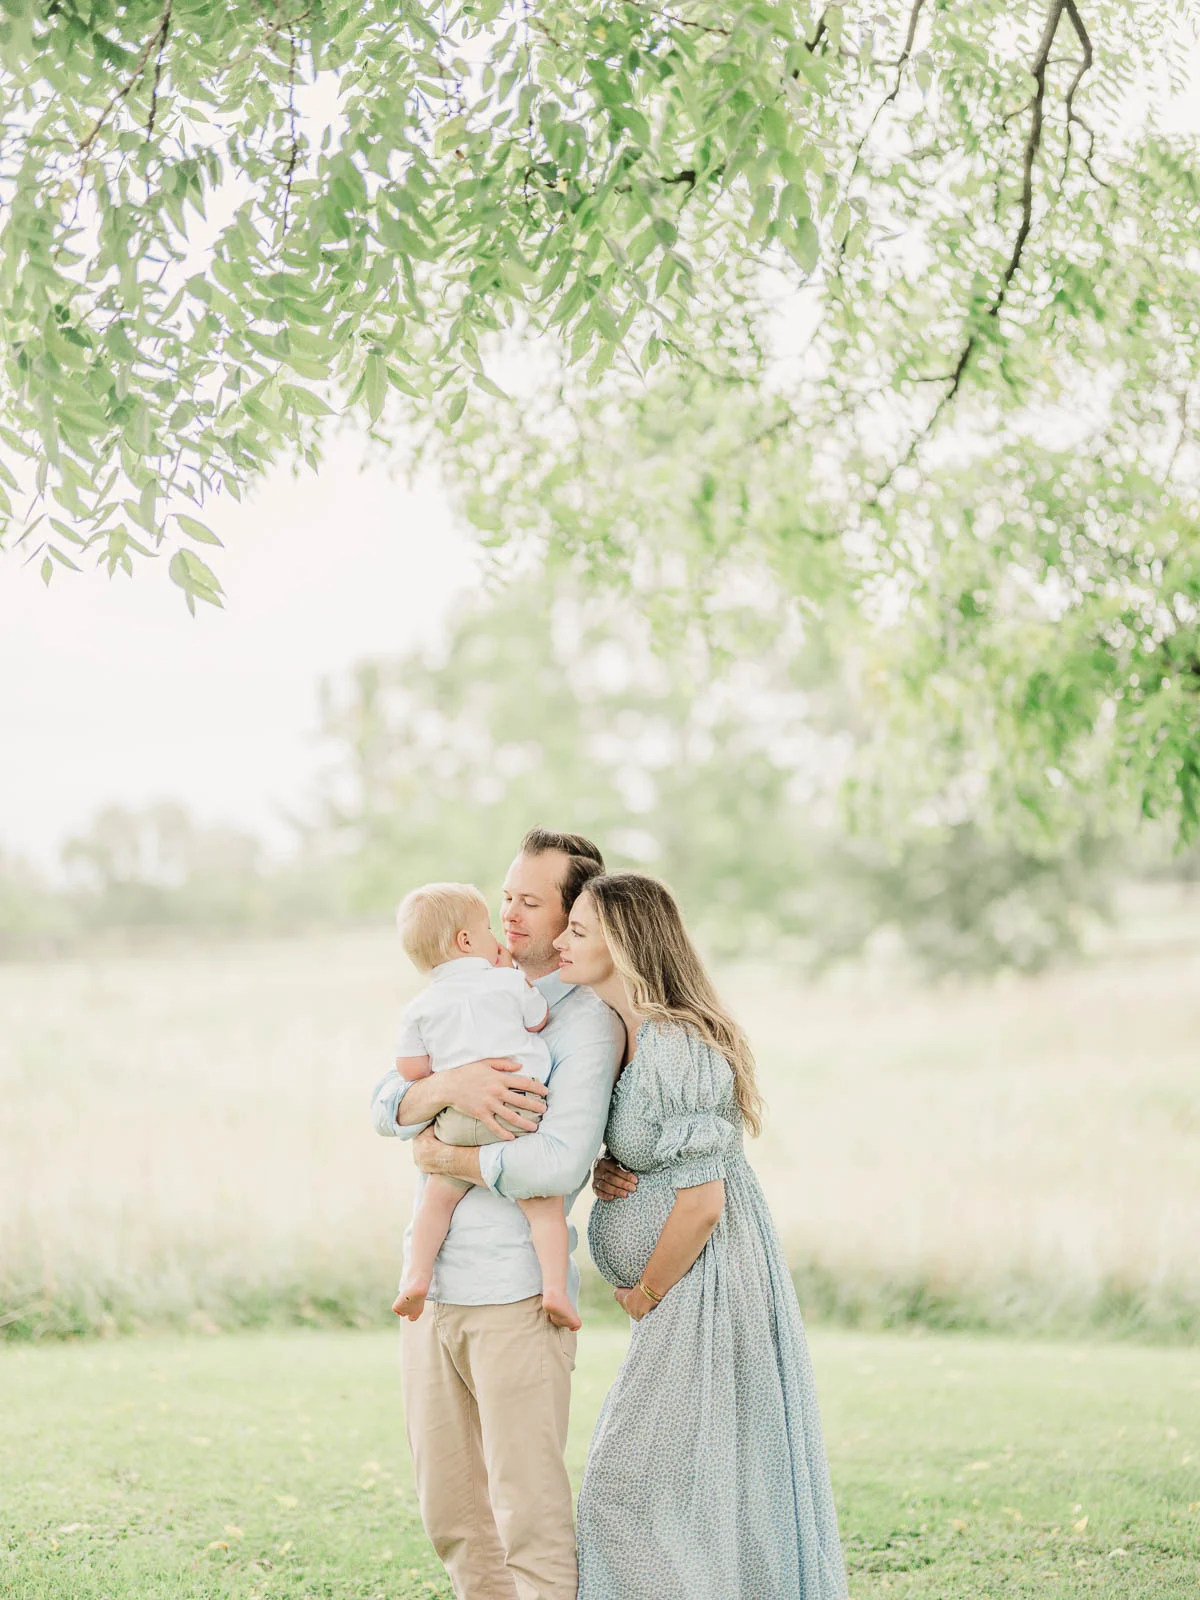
158 865
32 917
720 776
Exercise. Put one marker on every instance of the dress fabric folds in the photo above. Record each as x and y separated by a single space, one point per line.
707 1477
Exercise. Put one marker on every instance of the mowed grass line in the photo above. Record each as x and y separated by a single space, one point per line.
273 1467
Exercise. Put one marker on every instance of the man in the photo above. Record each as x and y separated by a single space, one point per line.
486 1376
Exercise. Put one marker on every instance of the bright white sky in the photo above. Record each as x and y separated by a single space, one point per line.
111 691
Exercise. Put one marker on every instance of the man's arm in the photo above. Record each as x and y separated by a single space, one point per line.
556 1159
481 1089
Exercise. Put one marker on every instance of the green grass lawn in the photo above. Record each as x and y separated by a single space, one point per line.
274 1465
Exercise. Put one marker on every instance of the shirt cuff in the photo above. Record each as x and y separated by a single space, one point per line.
491 1164
384 1108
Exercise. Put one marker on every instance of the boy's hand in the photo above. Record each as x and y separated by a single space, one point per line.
493 1088
504 957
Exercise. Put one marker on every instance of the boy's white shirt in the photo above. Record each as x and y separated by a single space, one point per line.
471 1010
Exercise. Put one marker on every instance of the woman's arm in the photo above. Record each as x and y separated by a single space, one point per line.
686 1231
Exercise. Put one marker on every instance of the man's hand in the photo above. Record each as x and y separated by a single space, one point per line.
488 1089
446 1160
612 1181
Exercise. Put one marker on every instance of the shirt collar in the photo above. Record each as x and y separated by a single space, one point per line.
459 964
553 988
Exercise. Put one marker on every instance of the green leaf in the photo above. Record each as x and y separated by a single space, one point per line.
805 243
305 400
197 581
196 530
375 385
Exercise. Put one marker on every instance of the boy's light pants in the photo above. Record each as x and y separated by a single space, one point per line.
487 1391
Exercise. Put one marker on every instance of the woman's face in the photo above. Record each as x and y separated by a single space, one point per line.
583 954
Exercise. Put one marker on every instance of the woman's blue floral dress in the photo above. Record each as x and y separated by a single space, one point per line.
707 1477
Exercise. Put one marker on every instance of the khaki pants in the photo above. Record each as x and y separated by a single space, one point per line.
487 1391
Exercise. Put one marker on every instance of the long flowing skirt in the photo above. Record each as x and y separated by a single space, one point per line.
707 1477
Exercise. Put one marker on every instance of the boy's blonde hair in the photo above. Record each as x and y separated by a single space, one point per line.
431 916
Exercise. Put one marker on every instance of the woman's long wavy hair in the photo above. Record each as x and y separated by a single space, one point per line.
662 969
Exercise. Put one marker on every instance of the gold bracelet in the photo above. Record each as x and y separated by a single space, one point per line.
653 1298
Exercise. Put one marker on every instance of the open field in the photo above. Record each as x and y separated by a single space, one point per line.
183 1139
273 1467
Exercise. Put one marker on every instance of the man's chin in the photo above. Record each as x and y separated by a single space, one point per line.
541 958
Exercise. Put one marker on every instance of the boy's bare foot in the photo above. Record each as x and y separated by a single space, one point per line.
559 1309
410 1302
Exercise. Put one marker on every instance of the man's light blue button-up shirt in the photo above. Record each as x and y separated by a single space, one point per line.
488 1258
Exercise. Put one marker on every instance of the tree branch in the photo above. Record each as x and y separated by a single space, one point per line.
686 22
1183 432
164 29
1073 117
158 36
902 60
294 153
822 29
1033 143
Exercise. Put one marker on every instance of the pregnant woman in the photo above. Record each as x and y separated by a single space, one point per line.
706 1478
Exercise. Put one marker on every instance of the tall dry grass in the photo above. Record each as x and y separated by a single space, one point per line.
183 1137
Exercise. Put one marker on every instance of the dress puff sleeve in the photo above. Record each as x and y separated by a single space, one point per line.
697 1109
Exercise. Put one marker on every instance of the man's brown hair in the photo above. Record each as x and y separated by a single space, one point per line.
584 860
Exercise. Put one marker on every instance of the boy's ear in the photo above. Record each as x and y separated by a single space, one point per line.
462 940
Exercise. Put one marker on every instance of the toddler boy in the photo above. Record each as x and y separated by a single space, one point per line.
476 1005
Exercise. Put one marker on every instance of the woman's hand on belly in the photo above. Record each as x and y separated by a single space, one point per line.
634 1302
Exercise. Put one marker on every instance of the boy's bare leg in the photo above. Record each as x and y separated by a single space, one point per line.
547 1218
430 1227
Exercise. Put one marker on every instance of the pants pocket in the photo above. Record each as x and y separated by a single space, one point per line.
567 1341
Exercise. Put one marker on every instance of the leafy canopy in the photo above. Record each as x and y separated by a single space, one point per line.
968 447
222 221
892 312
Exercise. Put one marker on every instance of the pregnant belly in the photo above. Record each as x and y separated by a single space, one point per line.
622 1233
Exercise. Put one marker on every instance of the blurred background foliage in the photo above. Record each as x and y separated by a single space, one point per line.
724 772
